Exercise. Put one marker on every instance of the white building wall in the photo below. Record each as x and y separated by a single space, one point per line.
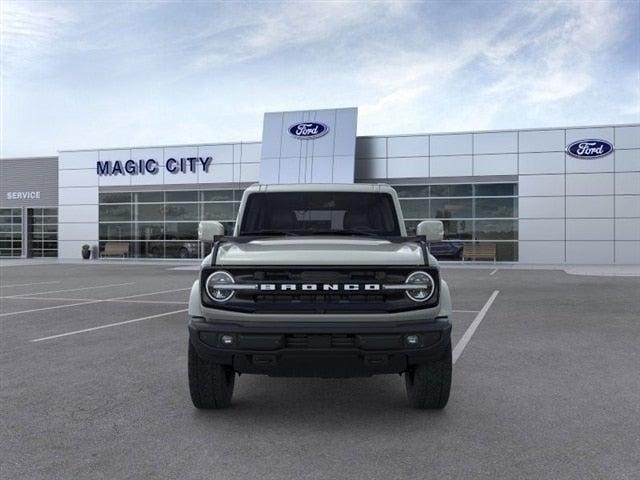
79 183
570 210
78 202
542 188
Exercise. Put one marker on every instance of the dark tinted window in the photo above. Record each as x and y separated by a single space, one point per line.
181 231
408 191
457 229
115 213
116 197
451 208
218 211
181 211
115 231
307 213
155 197
146 213
496 189
496 207
213 195
188 196
415 208
496 229
462 190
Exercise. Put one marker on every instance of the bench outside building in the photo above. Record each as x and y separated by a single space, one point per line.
479 251
116 249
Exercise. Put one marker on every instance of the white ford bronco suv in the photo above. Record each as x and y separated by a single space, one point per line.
320 280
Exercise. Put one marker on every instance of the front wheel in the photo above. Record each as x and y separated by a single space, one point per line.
210 384
428 384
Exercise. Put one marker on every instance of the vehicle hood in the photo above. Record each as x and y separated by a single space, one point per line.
320 251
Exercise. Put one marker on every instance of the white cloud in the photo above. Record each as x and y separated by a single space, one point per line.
81 74
522 58
252 35
27 29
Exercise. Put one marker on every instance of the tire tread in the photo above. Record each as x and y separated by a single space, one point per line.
429 384
210 384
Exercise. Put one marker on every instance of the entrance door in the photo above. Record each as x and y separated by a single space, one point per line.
42 232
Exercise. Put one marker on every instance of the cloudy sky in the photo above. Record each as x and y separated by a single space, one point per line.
99 74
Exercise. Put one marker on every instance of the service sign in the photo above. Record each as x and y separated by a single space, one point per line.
589 149
28 195
308 130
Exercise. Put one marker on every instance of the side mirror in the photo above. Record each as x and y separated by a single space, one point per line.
207 230
433 230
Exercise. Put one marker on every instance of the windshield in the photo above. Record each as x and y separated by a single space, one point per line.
320 213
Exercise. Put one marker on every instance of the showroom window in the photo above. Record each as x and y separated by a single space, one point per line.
10 232
471 213
163 224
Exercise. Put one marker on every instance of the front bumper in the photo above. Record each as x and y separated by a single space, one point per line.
328 349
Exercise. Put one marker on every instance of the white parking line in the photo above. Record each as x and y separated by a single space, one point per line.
28 284
87 301
72 289
115 300
465 311
109 325
48 308
155 302
152 293
58 299
494 271
457 351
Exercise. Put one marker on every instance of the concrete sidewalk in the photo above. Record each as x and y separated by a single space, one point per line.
592 270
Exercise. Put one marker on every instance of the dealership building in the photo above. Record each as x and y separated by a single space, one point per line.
567 195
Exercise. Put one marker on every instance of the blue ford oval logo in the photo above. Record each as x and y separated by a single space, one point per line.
308 130
590 148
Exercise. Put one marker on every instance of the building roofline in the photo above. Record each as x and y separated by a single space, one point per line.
42 157
136 147
465 132
538 129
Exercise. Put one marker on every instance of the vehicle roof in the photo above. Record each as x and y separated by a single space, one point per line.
322 187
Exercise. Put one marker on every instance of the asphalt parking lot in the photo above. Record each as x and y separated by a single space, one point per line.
93 383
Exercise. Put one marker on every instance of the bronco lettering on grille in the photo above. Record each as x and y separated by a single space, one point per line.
324 287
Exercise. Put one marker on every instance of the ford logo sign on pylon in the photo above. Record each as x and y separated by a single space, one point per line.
308 130
589 149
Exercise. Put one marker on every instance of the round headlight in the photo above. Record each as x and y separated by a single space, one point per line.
216 286
425 286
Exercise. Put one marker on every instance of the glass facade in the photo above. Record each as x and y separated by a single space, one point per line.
471 214
163 224
10 232
42 230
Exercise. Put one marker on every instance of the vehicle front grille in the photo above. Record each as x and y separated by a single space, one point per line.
319 276
337 301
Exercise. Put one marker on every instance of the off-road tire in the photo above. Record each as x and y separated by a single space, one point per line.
428 384
210 384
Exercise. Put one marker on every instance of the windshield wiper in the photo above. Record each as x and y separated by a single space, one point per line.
268 232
